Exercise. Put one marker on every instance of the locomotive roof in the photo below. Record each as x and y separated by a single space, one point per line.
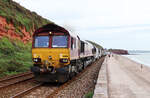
51 27
54 28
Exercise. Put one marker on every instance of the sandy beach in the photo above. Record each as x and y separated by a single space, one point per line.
127 79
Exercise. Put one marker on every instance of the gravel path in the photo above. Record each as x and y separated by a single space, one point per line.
127 79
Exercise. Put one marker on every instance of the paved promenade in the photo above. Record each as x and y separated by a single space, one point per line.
124 78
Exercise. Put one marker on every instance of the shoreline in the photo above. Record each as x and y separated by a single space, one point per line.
135 63
136 60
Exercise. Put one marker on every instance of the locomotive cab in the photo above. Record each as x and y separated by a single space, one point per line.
51 50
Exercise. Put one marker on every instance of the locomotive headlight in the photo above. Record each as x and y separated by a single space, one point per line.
50 57
37 60
63 60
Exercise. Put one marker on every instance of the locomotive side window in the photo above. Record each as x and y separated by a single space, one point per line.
74 43
59 41
94 50
82 47
41 41
71 43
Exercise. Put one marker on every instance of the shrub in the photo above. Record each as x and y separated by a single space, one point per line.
89 94
15 56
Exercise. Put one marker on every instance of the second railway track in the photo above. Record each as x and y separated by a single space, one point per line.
20 94
15 79
12 84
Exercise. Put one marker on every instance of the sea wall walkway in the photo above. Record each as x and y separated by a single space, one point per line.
121 77
101 88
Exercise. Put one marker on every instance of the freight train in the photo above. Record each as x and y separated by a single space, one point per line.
58 54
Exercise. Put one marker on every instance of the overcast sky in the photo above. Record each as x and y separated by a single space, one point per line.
121 24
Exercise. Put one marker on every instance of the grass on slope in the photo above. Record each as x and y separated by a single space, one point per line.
20 17
15 57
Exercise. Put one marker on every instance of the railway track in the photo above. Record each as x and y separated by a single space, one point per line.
14 84
54 89
15 79
20 94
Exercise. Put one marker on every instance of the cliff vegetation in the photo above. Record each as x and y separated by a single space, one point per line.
16 27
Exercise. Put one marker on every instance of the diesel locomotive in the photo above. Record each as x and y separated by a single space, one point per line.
58 54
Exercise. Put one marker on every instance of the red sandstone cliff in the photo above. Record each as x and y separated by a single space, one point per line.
8 30
119 51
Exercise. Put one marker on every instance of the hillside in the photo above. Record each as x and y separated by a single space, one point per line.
16 22
119 51
16 27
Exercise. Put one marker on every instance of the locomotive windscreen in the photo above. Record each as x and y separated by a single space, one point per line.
41 41
59 41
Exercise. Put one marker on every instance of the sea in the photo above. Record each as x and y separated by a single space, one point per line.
142 57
